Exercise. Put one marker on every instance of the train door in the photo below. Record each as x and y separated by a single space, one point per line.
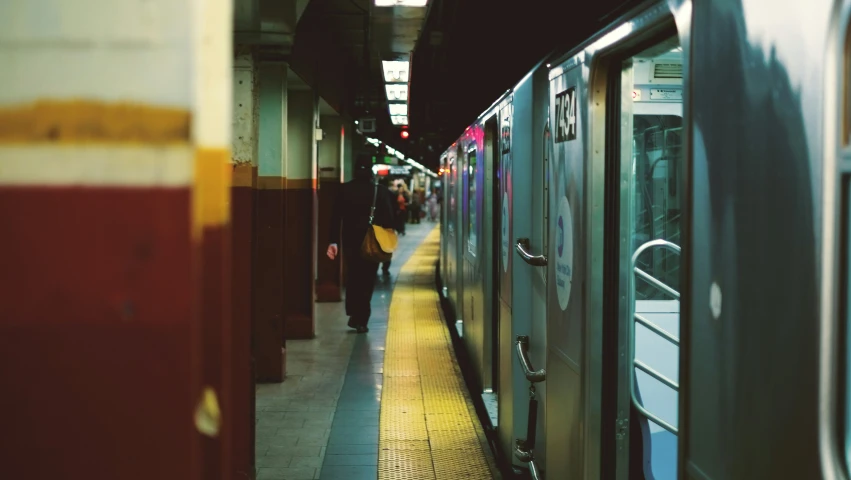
451 207
645 161
565 298
444 225
473 259
547 432
509 377
459 197
530 288
491 219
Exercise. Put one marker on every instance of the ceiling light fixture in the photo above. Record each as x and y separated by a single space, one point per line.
396 92
401 3
395 71
398 108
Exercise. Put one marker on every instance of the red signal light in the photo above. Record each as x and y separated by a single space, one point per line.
404 134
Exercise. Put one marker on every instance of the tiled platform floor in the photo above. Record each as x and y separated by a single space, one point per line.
428 425
298 434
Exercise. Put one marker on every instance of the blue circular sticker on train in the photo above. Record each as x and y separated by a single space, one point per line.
505 240
564 252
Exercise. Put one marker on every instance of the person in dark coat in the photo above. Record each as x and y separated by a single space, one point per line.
385 267
352 209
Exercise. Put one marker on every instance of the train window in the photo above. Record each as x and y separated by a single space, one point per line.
650 218
450 198
471 201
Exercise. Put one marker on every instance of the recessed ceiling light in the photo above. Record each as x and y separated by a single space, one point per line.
398 108
396 93
401 3
395 71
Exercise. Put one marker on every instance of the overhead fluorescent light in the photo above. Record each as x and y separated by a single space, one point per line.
398 108
396 93
401 3
395 71
399 119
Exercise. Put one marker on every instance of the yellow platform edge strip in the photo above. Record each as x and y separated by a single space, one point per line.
428 427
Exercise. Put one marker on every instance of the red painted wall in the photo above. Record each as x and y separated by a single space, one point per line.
100 344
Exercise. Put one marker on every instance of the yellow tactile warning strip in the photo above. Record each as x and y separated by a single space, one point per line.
427 430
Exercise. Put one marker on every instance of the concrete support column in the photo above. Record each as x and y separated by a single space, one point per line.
269 288
300 258
347 161
347 166
328 285
115 316
244 160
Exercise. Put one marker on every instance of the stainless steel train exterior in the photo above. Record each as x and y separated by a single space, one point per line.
657 221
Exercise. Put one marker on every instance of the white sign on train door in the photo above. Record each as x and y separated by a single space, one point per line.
564 252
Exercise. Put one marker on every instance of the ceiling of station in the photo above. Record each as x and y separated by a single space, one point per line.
361 35
463 53
473 51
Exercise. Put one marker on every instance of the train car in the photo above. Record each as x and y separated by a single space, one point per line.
645 247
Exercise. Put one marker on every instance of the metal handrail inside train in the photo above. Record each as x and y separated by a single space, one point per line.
635 363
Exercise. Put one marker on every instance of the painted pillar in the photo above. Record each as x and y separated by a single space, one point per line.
269 289
330 167
347 166
300 256
244 160
115 265
347 160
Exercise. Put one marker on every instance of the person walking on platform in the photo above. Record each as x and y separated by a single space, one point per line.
352 210
416 206
403 199
433 206
385 266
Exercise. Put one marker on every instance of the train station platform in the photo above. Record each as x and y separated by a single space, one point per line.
387 404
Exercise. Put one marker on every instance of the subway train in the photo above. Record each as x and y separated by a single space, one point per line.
645 248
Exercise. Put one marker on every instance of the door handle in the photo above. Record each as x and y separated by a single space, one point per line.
522 247
522 345
526 456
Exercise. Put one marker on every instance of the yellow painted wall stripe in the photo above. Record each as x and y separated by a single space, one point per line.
244 175
427 423
211 190
87 121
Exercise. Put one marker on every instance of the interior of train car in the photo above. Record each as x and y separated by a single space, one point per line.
653 223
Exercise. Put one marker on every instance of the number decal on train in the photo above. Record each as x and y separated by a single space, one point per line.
566 115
